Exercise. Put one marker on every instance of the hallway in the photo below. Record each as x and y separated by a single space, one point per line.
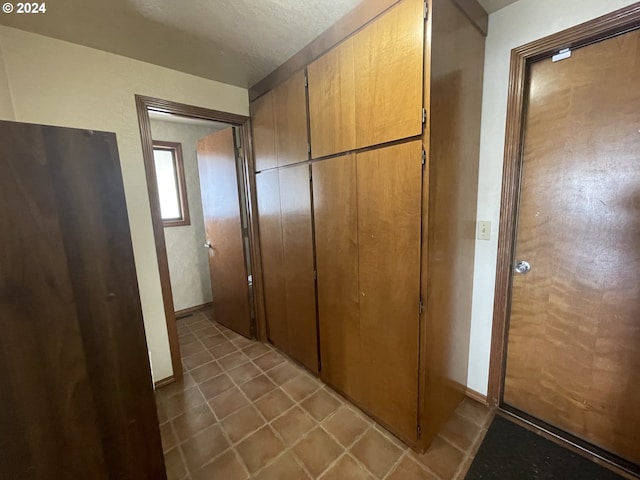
245 411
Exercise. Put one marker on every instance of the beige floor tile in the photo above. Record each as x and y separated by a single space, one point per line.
300 387
273 404
346 468
193 421
206 371
241 423
317 450
256 387
194 361
441 458
376 452
204 447
255 350
191 349
475 411
244 372
320 405
268 360
228 402
223 349
293 425
460 432
284 467
179 402
225 467
283 373
345 425
168 438
259 449
176 469
216 385
233 360
408 469
213 340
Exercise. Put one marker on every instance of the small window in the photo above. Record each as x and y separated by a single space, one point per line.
172 190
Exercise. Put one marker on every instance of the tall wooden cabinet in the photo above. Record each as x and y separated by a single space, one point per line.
393 113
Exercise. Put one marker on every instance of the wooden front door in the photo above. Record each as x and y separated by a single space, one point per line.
573 358
76 395
223 227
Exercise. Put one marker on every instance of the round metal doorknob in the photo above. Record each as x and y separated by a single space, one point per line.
522 267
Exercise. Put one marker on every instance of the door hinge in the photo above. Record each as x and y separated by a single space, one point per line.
424 115
419 431
315 275
308 147
424 157
306 81
420 307
425 10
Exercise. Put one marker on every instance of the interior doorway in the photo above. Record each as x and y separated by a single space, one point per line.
202 226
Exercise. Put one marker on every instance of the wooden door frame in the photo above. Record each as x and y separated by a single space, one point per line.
606 26
143 105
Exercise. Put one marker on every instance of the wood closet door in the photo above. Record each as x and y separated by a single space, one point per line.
290 114
297 238
388 57
77 396
336 227
270 225
264 134
573 357
389 184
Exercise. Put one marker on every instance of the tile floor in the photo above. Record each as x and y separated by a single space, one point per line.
245 411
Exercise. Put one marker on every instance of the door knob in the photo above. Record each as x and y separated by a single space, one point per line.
522 267
207 245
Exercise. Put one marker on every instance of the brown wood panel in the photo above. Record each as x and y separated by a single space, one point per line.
217 166
363 13
336 234
332 96
450 191
389 222
77 393
264 135
270 227
573 356
290 113
388 82
297 238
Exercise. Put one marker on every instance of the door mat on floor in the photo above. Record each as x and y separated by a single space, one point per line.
509 451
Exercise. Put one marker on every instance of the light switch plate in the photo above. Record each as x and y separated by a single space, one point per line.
484 230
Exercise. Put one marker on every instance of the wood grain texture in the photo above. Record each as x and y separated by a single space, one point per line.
573 356
77 393
297 240
625 19
264 135
336 226
332 96
455 91
270 228
290 113
218 174
388 75
362 14
389 223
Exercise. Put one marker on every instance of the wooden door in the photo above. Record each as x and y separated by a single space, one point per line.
389 184
290 116
388 57
219 185
336 228
271 247
77 397
573 356
264 135
297 241
332 98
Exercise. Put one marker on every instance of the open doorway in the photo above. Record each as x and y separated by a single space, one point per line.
196 164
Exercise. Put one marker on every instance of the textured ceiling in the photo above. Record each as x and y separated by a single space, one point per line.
233 41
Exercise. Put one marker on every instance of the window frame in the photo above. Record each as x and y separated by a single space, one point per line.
181 187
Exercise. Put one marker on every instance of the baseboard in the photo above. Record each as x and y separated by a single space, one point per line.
477 396
188 311
164 382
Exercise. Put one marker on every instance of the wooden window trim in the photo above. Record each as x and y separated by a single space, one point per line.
181 184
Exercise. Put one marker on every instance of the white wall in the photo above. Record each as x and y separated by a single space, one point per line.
59 83
6 107
188 259
515 25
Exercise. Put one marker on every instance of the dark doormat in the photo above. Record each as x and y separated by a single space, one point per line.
509 451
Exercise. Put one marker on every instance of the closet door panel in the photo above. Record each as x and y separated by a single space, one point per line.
295 202
336 229
264 135
389 224
290 113
332 109
389 75
270 225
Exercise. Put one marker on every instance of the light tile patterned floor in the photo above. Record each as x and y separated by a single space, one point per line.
245 411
